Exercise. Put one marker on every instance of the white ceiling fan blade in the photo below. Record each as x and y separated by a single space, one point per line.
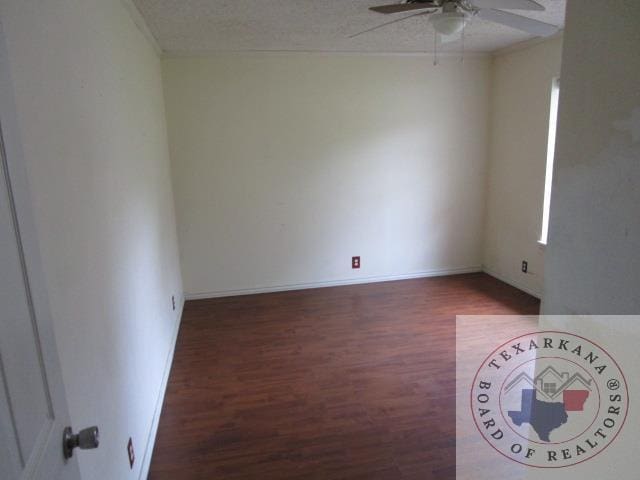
508 4
534 27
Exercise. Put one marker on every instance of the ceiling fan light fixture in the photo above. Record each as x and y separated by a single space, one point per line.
448 23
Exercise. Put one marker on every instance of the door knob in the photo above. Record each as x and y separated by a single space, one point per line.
86 439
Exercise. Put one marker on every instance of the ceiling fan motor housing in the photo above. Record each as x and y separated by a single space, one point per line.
448 23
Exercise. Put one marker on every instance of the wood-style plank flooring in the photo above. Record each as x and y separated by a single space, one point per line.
354 382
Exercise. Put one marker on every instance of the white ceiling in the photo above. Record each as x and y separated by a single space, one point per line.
200 26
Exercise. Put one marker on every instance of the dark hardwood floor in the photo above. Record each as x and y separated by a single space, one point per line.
354 382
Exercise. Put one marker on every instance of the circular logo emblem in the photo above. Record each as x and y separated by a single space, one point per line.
549 399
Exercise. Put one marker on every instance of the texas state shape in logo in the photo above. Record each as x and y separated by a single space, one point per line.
549 399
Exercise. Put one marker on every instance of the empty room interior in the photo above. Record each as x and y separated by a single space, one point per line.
257 239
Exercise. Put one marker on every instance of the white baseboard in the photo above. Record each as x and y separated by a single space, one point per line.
512 282
334 283
151 440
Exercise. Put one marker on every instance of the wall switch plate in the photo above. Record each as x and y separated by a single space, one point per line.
525 266
355 262
173 301
131 453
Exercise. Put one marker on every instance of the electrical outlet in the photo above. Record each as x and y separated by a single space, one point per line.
173 302
131 453
525 266
355 262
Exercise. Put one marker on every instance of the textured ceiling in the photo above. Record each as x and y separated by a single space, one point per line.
200 26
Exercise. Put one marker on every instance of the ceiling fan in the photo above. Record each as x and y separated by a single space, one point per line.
449 17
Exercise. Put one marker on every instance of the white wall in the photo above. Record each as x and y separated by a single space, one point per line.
90 110
287 165
521 91
592 263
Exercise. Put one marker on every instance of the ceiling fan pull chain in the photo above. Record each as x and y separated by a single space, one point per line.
464 29
435 48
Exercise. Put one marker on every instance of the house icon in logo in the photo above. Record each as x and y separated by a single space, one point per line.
550 383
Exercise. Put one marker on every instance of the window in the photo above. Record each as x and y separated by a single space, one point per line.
549 388
551 146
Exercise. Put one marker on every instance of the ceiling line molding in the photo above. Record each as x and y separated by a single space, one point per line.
526 44
141 23
220 53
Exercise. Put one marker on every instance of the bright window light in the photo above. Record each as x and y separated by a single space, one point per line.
551 146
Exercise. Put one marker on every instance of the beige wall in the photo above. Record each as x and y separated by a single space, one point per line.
592 263
90 111
287 165
521 91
